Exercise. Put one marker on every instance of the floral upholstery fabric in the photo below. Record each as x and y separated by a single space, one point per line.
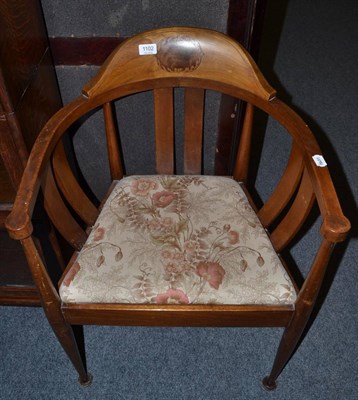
177 239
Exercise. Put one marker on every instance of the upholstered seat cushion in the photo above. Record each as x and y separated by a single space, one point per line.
177 239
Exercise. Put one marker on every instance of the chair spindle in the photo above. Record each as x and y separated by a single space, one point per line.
193 130
164 130
243 155
70 188
114 156
285 189
296 215
59 213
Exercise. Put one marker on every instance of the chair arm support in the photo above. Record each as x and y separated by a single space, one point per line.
18 223
335 225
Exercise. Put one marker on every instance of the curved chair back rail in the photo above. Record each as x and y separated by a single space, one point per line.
195 60
334 227
183 52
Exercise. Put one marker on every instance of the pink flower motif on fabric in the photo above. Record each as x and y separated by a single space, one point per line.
154 225
172 296
71 274
142 186
163 199
212 272
190 246
234 237
164 249
167 222
166 254
99 234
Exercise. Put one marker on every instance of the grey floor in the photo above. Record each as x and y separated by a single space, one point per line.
315 68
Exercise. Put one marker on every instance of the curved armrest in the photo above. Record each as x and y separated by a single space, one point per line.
335 225
18 223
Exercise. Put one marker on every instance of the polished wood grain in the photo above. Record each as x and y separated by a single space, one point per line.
188 59
164 130
304 306
295 216
51 305
177 315
335 226
193 130
241 168
19 296
59 213
244 24
70 188
284 190
113 149
127 66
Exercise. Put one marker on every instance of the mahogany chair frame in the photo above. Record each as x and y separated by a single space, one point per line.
196 60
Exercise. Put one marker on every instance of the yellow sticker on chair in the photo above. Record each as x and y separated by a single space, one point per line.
319 160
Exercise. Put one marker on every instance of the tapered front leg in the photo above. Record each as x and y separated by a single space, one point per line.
303 308
70 337
287 346
72 341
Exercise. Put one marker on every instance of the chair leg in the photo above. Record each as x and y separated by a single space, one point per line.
288 344
72 341
303 309
70 337
290 338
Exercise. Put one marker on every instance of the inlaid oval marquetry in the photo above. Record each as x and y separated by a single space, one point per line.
179 54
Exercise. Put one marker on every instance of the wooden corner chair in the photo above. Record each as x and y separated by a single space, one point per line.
177 250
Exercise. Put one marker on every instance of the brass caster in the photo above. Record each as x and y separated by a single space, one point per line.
87 382
268 386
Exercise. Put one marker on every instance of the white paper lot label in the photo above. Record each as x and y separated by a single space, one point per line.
146 49
319 160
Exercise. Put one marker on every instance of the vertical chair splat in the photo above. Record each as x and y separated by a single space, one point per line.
114 155
193 130
164 130
243 155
